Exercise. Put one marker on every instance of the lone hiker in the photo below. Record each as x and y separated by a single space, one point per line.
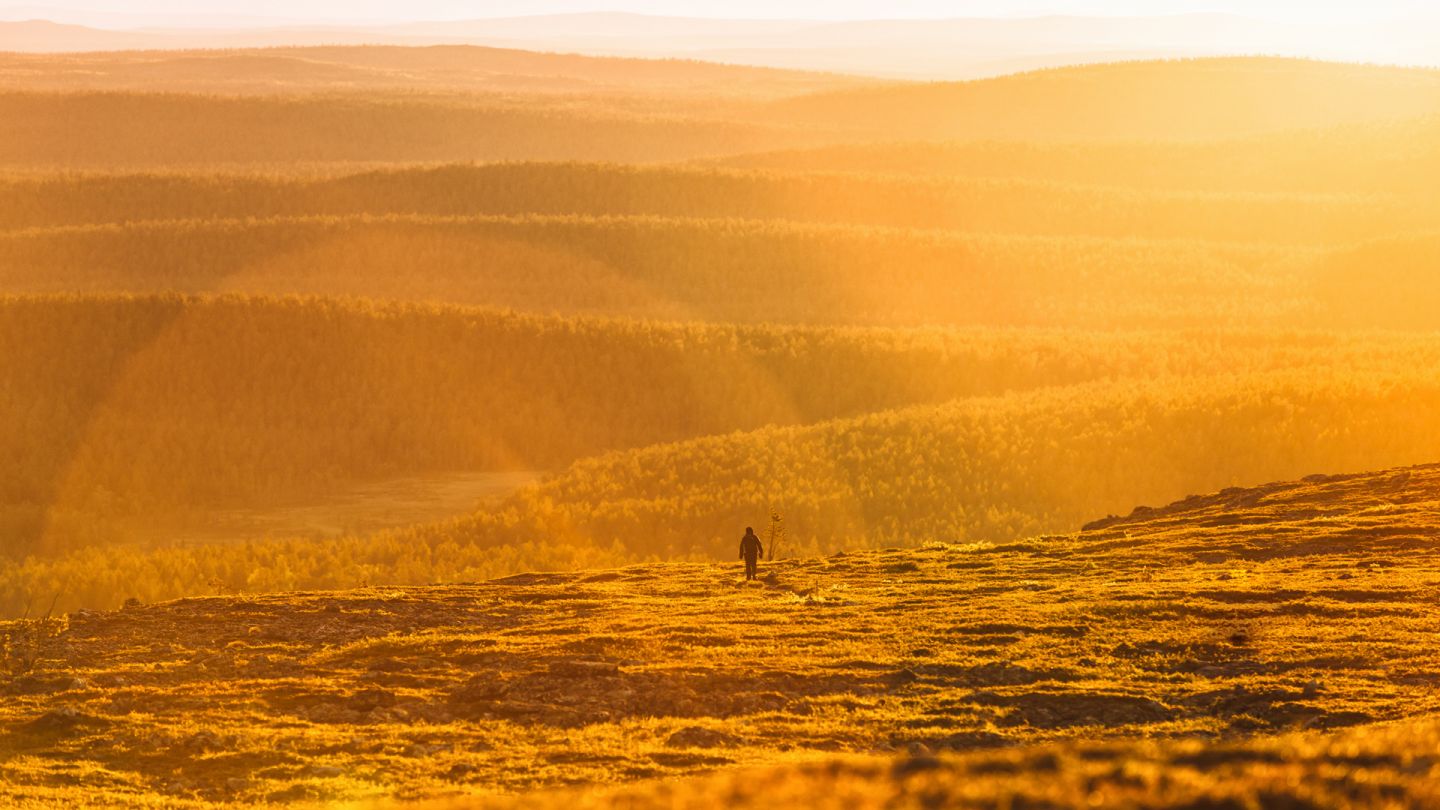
750 551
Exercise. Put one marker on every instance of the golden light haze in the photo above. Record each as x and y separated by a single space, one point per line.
883 307
378 421
921 39
387 10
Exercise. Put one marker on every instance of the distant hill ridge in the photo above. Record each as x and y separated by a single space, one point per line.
339 66
951 48
358 105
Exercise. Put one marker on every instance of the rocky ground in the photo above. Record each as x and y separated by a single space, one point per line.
1270 642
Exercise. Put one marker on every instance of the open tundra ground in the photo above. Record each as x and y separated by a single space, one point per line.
1266 647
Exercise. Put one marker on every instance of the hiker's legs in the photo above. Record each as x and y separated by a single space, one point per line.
750 567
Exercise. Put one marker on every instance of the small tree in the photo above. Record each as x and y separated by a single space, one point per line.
775 536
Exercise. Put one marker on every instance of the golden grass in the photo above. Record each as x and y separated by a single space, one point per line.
1298 606
1372 767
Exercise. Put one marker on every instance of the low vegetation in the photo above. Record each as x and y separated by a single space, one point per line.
1301 610
1373 767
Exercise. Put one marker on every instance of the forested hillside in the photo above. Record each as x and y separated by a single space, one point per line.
452 69
1375 159
992 469
1185 100
745 271
159 129
335 120
683 295
977 205
984 469
170 403
713 270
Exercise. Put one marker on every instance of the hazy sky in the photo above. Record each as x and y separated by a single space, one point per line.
374 10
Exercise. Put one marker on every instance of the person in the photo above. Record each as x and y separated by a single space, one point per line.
750 551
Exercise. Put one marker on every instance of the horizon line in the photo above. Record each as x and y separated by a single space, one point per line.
241 21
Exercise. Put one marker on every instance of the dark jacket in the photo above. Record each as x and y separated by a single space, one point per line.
750 546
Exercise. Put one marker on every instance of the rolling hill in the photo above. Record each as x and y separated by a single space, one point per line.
978 469
437 383
805 298
1183 100
215 124
380 68
166 404
46 130
1011 205
719 271
967 43
1355 159
1264 644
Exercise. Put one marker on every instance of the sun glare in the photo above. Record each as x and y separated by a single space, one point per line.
704 407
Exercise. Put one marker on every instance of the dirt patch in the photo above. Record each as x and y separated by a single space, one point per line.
572 694
995 674
698 737
1066 709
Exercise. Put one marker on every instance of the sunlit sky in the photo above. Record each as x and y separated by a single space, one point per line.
390 10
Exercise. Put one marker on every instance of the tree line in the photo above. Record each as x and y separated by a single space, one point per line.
683 269
837 191
975 470
125 405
